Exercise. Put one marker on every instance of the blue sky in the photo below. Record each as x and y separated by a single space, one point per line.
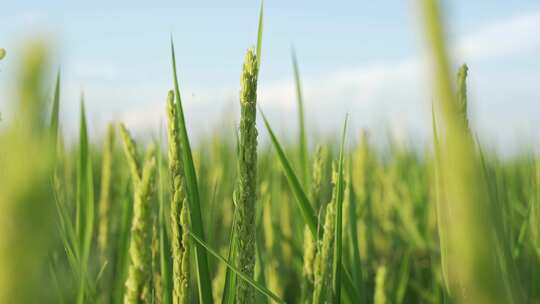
365 58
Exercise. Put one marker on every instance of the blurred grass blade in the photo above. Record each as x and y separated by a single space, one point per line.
403 278
260 273
229 287
55 111
304 158
204 281
301 198
85 205
122 254
353 234
259 36
339 220
440 205
476 258
249 280
164 243
27 219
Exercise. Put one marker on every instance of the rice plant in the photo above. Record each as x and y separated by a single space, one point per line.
242 219
138 287
179 211
247 179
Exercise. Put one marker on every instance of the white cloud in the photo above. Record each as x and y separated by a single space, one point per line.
399 93
508 37
376 95
29 19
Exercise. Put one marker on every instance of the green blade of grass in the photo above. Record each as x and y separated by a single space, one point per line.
260 273
339 216
475 251
55 111
204 281
122 255
304 159
243 276
81 176
229 287
301 198
441 209
353 235
259 36
403 278
306 208
85 204
89 201
164 245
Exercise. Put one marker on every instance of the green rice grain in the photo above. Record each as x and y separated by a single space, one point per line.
138 283
247 181
178 212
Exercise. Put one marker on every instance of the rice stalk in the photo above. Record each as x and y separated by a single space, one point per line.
157 292
55 112
165 258
317 176
26 167
462 93
478 271
303 155
84 222
322 282
247 176
310 252
204 281
338 242
363 176
260 288
178 212
130 151
138 283
105 195
380 293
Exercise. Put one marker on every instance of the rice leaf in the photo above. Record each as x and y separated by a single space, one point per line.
229 287
478 263
339 220
404 273
259 36
204 281
85 205
55 111
304 158
353 235
243 276
164 242
301 198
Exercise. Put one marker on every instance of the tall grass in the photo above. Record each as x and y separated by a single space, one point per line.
345 223
26 163
478 270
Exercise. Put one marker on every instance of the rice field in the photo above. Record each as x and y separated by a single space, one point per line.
234 219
